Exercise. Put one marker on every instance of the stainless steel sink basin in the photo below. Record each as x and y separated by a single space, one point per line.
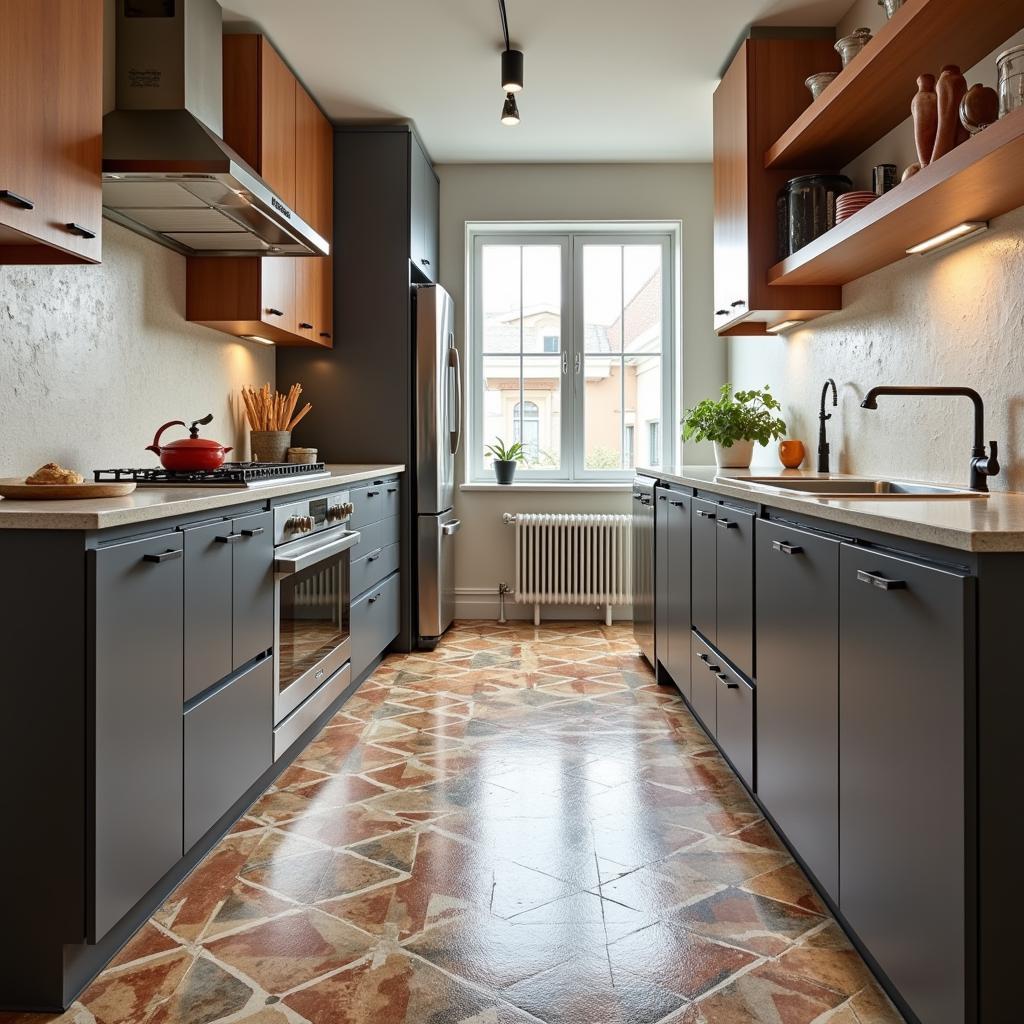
847 490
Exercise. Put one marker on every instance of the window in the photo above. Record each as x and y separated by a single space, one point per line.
571 349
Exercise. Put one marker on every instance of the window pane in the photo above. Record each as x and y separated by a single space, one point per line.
642 315
602 412
540 428
542 298
501 397
499 272
602 298
643 405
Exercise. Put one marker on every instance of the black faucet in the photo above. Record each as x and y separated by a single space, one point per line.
823 448
982 465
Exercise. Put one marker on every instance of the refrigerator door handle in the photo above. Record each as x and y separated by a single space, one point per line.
453 527
456 364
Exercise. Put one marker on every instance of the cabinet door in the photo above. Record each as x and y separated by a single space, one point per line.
423 209
704 567
798 691
904 685
277 123
207 578
661 575
312 169
137 754
735 589
679 591
277 292
734 720
431 221
309 282
704 684
253 587
375 622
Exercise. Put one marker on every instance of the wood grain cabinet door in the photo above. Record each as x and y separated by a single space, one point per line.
277 123
797 610
278 292
136 756
906 678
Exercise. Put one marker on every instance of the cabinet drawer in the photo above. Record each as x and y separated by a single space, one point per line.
392 498
734 591
704 569
703 684
373 536
734 721
207 606
375 622
228 745
368 504
373 567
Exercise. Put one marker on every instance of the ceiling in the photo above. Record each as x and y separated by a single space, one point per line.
605 80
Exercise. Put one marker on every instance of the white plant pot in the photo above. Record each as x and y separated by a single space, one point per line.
736 456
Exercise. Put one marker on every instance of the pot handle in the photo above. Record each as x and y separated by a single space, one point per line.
226 450
155 446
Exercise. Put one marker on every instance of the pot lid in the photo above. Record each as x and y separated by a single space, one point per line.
193 442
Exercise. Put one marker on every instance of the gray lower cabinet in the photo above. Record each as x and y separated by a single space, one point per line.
373 567
228 744
797 605
703 683
368 504
252 577
734 720
375 622
678 587
136 748
662 588
905 683
704 567
734 589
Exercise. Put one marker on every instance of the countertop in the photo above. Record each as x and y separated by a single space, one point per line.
148 503
993 523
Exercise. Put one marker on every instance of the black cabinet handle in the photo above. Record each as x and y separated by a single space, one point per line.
677 504
721 312
706 515
372 494
728 524
77 229
231 538
703 657
392 490
305 326
375 555
425 263
787 548
254 532
325 334
714 668
164 556
375 597
729 683
14 199
876 579
738 302
662 497
274 312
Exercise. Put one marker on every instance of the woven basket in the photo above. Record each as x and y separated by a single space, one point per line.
269 445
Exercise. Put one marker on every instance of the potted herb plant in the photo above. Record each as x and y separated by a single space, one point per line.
505 459
734 422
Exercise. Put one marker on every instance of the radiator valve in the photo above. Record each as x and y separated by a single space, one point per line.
503 589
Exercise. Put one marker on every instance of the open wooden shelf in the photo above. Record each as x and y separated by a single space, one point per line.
978 180
872 95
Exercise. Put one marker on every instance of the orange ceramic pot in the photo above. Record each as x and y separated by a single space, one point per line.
791 453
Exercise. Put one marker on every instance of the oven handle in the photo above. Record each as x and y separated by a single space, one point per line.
286 565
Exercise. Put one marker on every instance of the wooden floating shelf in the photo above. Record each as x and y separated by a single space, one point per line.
978 180
872 95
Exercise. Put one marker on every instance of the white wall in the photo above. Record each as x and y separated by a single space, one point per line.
954 317
563 192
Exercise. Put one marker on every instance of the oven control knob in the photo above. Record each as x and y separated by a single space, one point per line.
338 512
299 524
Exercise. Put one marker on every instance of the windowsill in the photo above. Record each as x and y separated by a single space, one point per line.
551 485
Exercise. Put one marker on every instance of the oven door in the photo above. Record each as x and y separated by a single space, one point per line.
311 605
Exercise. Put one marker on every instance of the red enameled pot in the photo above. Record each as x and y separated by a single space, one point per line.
189 454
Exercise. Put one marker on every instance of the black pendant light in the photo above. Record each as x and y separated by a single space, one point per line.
511 73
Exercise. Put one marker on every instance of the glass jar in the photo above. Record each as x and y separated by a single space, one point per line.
1011 79
807 209
849 46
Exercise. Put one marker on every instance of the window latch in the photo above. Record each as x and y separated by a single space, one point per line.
565 362
579 360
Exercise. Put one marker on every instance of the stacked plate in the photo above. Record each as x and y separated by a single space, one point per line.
850 202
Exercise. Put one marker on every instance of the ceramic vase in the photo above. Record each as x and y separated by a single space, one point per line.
949 92
736 456
925 110
791 453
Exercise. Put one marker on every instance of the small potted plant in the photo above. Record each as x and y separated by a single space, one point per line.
505 459
734 422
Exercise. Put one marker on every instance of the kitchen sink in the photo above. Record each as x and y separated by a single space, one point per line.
848 490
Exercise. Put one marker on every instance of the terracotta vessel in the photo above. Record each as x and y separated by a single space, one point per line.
979 108
950 91
925 110
791 453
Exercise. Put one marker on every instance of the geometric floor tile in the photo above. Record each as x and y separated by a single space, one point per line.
518 826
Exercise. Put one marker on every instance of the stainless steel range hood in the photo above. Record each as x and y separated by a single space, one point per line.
167 174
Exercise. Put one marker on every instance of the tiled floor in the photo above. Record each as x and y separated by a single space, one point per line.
520 826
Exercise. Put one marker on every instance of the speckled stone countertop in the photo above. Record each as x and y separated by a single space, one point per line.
992 523
148 503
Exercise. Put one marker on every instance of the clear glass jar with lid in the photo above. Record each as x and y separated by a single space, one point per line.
1011 79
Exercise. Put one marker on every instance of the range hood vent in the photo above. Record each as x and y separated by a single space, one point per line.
167 174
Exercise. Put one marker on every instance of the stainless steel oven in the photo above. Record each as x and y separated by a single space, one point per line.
311 608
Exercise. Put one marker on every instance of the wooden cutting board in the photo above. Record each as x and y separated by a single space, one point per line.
16 489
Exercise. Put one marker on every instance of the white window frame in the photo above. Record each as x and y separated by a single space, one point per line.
570 238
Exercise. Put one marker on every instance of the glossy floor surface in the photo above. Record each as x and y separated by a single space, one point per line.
520 826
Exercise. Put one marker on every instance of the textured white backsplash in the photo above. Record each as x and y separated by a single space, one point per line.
94 359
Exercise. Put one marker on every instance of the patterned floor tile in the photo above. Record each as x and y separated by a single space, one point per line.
519 826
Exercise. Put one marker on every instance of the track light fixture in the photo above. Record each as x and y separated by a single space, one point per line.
511 72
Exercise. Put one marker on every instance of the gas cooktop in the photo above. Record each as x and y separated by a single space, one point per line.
231 474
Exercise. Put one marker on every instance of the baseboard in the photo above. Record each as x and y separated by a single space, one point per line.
482 603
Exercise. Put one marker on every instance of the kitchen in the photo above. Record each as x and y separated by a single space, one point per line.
307 758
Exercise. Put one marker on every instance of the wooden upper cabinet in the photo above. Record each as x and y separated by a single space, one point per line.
760 95
314 164
51 81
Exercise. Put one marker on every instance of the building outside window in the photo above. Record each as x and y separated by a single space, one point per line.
572 347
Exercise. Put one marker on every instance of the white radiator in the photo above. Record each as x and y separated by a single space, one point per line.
572 559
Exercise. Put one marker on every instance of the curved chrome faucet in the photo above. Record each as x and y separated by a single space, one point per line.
982 465
823 446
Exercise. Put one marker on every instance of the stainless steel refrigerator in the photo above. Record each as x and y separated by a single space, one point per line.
437 426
